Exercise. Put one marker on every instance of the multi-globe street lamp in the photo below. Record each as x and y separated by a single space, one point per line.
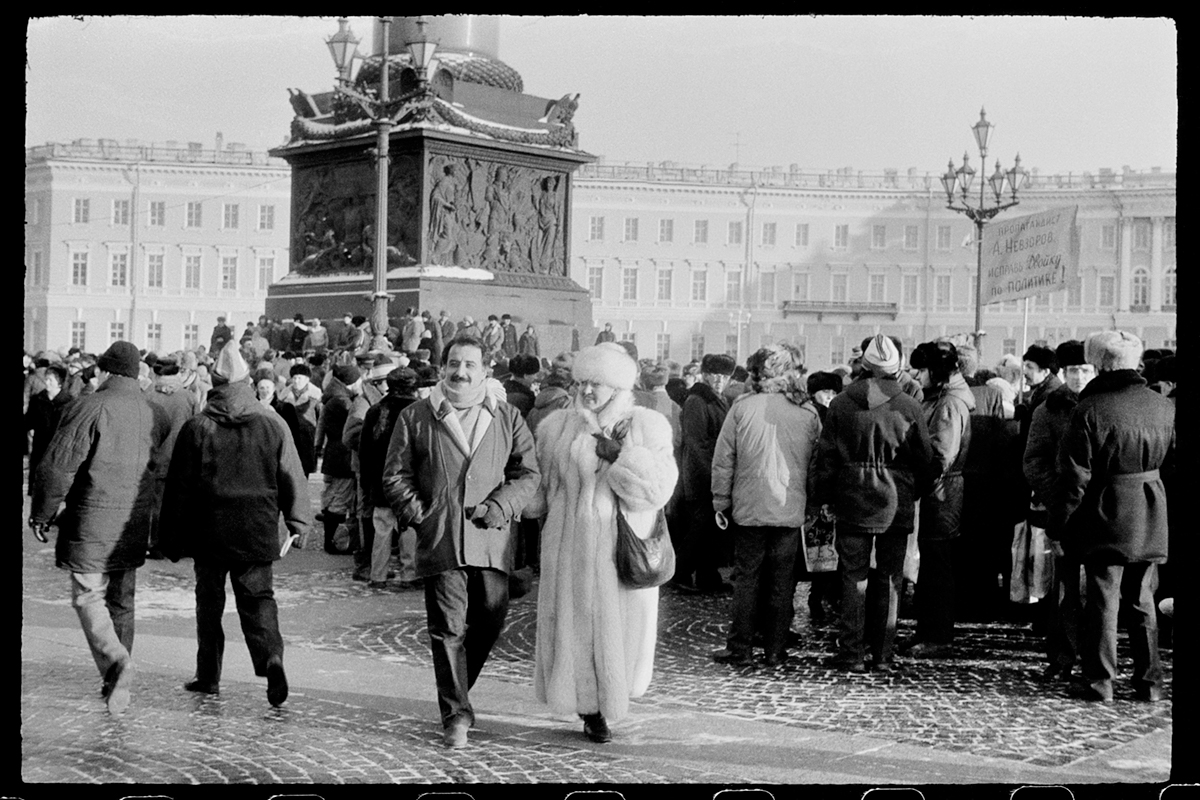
960 180
383 112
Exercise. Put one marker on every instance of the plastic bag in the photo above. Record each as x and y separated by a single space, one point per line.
820 532
1032 564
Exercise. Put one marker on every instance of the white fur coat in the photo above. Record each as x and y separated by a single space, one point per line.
595 639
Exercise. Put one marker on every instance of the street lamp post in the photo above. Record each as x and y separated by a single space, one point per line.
960 180
343 47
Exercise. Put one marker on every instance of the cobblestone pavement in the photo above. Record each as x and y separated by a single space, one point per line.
985 703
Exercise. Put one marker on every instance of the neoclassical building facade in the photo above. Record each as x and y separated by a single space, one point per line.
687 261
149 243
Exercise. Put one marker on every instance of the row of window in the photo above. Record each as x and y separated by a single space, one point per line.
81 213
769 234
153 340
154 272
839 284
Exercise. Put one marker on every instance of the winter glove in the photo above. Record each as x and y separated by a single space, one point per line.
488 515
606 448
39 531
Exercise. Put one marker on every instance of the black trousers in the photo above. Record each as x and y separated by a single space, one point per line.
255 598
1108 587
935 591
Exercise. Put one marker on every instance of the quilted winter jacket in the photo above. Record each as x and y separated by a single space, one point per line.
948 415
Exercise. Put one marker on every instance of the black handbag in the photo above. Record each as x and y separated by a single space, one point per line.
644 563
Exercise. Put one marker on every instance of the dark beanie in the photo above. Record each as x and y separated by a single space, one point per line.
717 364
402 379
1070 354
346 373
824 380
524 364
1042 356
122 358
300 369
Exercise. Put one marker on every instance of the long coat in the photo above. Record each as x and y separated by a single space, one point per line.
700 423
233 470
335 410
430 480
595 638
948 415
102 461
1111 505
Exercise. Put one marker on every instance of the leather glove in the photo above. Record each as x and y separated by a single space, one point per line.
39 531
607 449
488 515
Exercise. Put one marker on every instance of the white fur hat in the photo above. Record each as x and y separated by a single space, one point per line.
1112 350
606 363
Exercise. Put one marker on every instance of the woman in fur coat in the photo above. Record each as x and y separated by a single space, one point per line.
595 638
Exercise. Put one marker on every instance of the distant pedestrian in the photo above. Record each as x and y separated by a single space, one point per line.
43 413
528 344
234 470
606 335
509 345
101 462
221 334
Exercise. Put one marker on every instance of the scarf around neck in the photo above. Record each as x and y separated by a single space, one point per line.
463 398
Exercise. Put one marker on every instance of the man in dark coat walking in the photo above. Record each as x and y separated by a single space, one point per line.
44 411
1111 511
233 470
101 461
221 334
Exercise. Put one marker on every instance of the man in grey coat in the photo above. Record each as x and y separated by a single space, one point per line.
460 467
102 462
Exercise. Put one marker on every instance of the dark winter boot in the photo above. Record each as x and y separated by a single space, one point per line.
331 522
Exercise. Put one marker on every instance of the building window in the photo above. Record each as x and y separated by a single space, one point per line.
943 237
1140 298
629 283
118 264
629 336
79 335
766 288
735 233
837 287
1011 305
82 210
877 284
35 211
79 269
733 286
1169 289
1009 346
35 259
841 237
911 237
837 350
801 344
1108 237
700 286
700 232
697 350
941 297
153 336
664 285
768 234
596 229
191 336
878 237
1169 233
1041 302
154 270
731 345
631 229
662 346
158 213
194 215
666 230
191 272
911 291
802 234
266 218
1141 234
229 265
1075 293
800 286
120 215
266 271
595 278
1108 291
229 218
116 332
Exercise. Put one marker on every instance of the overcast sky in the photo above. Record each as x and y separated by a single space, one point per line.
1069 94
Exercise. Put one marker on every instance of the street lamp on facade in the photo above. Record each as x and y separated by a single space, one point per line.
381 111
960 180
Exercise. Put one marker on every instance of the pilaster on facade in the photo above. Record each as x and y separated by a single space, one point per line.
1126 270
1156 264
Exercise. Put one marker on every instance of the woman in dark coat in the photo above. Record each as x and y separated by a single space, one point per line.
45 409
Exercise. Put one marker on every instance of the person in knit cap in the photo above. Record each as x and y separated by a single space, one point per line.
459 468
234 470
101 462
1110 511
873 462
602 456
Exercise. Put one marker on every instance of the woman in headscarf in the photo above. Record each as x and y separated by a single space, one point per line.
599 457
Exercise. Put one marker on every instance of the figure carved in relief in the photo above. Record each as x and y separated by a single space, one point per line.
443 201
546 206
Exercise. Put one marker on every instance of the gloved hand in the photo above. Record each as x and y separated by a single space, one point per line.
488 515
39 531
606 448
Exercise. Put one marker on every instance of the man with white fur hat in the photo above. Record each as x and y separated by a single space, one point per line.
601 456
1111 511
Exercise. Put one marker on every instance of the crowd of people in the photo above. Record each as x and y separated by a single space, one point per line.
472 462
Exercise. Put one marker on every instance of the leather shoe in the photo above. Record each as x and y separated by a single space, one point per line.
930 650
1085 692
377 584
203 687
119 677
1147 694
1056 672
455 734
848 663
734 658
277 685
596 729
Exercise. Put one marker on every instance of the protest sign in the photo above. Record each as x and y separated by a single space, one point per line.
1031 255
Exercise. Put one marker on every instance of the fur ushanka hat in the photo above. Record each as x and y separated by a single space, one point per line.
606 363
1113 350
